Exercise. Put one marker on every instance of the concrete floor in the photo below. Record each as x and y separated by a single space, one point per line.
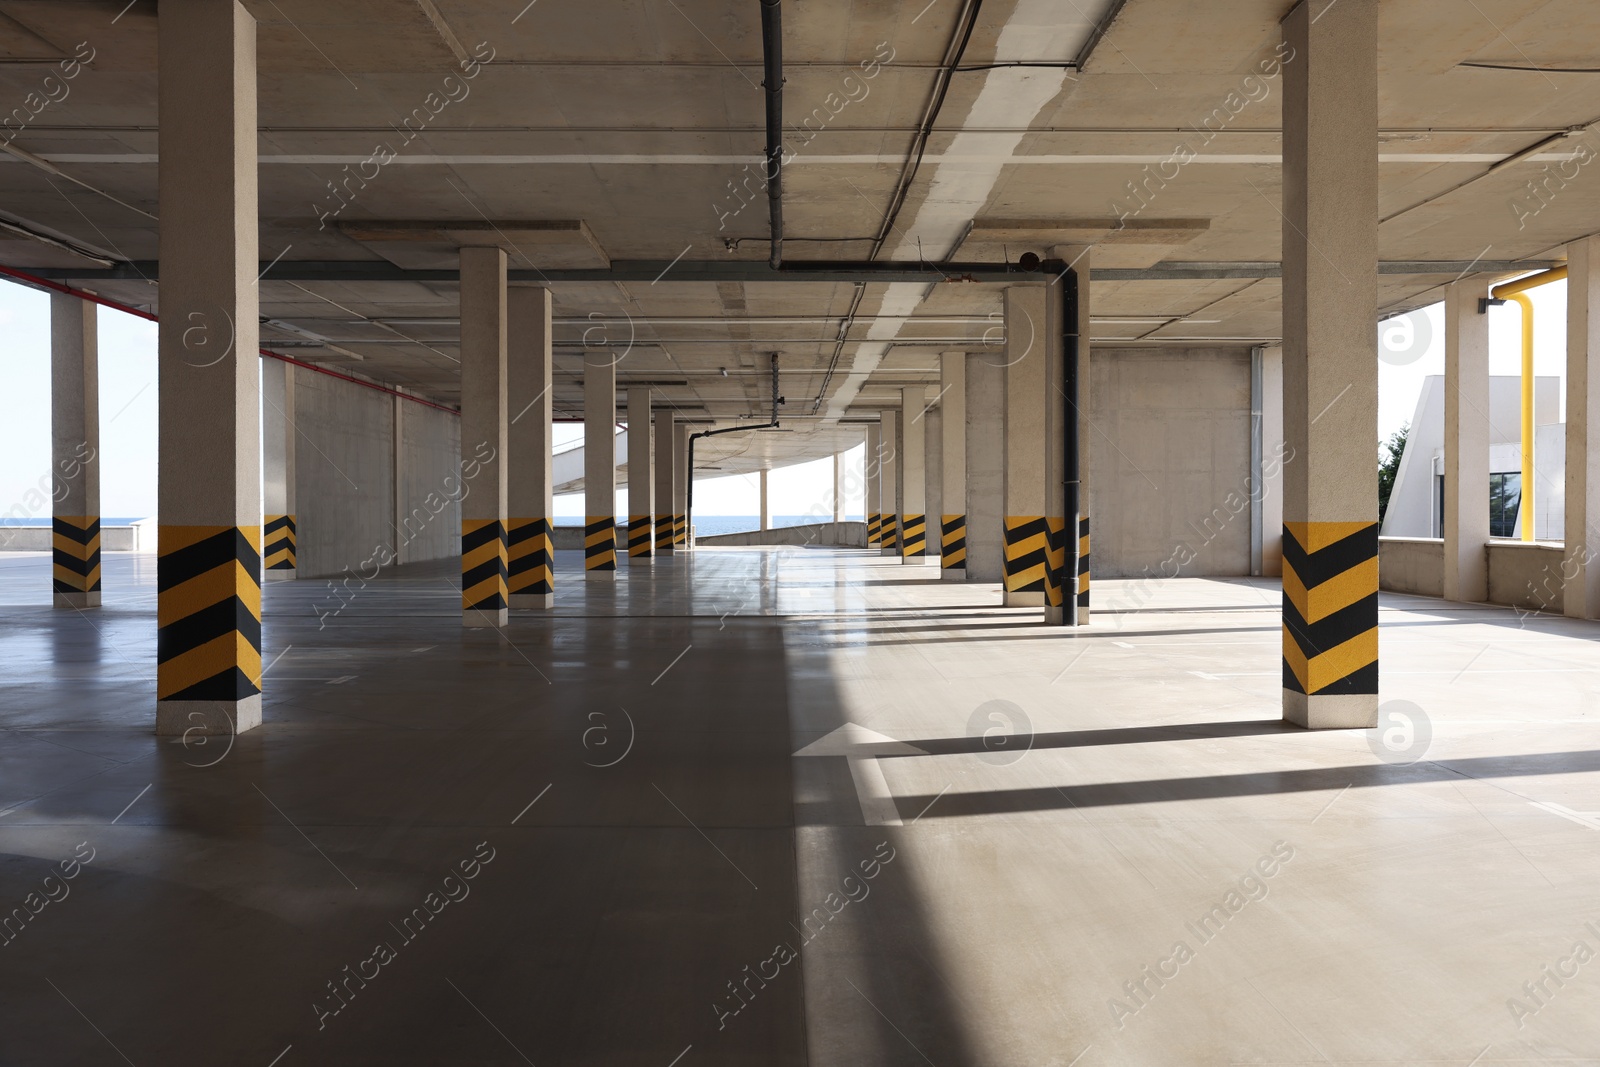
1074 806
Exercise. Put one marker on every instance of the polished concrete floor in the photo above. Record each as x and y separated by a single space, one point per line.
1031 848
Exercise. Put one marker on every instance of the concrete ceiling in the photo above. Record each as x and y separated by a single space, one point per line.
623 130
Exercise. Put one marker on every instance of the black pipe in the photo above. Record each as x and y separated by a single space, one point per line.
772 53
1071 460
688 490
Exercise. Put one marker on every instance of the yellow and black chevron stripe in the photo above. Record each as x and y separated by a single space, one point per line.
208 612
278 542
75 546
680 529
1027 543
666 532
913 535
638 535
1330 607
1083 561
888 532
529 556
600 543
483 565
1055 560
952 542
874 528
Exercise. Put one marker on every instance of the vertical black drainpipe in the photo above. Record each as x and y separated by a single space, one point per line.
1070 471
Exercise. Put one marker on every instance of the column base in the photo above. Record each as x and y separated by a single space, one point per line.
474 618
953 574
600 576
641 561
283 575
177 718
533 600
919 561
1022 600
1334 711
76 600
889 551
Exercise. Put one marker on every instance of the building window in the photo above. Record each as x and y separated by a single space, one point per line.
1505 494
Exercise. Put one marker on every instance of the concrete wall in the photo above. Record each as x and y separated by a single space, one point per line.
847 534
428 483
1411 565
1526 575
343 474
1170 475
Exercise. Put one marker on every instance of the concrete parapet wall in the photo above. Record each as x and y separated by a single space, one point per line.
839 534
1411 565
37 539
1526 575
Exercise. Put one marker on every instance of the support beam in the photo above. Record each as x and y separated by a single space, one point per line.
1581 568
641 488
913 477
872 471
666 430
74 452
1330 282
1028 381
530 444
208 641
279 529
599 465
484 332
1466 444
888 483
953 466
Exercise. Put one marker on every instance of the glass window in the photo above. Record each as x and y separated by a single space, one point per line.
1505 494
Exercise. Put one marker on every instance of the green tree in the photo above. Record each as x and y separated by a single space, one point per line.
1389 454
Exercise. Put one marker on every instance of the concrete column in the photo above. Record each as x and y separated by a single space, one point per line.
1060 565
838 487
1580 569
484 406
1466 443
75 452
1274 453
599 465
953 466
278 530
1079 257
986 468
641 487
680 487
666 482
208 641
397 475
765 520
872 464
1330 377
1028 381
913 476
933 471
888 483
530 444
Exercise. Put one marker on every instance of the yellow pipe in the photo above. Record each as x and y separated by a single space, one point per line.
1516 290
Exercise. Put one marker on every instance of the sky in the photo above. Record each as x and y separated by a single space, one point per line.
128 407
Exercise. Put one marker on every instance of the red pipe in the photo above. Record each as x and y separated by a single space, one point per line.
45 283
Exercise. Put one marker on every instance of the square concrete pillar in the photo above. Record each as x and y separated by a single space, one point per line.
838 487
599 465
484 405
1028 536
1269 449
1580 570
1466 444
872 462
1079 258
530 551
641 488
279 530
74 452
986 466
953 466
666 431
680 488
913 476
208 638
1330 372
889 483
933 471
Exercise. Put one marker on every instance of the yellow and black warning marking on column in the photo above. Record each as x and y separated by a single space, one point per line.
638 535
1083 561
888 532
208 612
75 546
952 542
483 565
600 543
874 528
680 529
666 532
913 535
278 542
1055 563
1330 607
1027 543
529 557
